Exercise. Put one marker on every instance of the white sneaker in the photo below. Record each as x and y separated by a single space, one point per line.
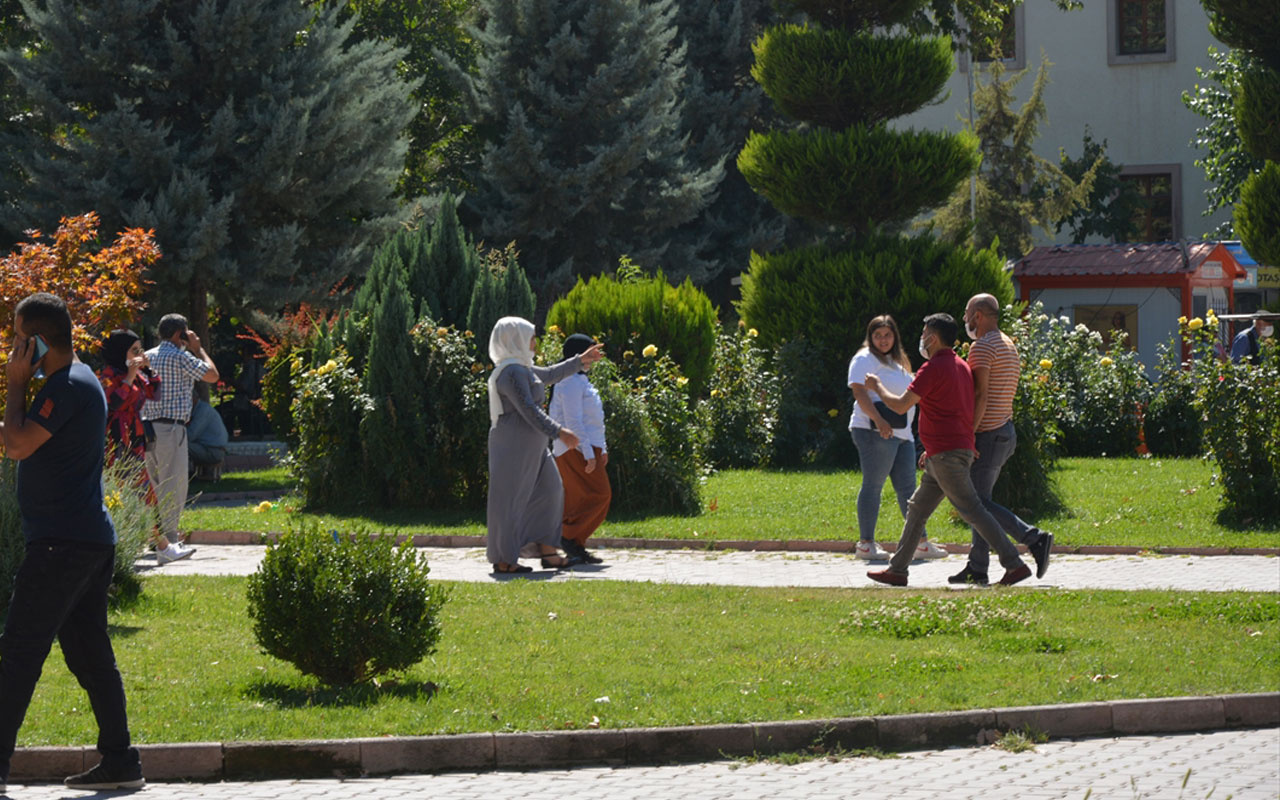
928 550
867 551
174 552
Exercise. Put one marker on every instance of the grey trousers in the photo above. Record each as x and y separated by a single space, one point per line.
946 475
994 448
167 467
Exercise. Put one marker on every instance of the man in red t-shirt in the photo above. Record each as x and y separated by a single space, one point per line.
943 387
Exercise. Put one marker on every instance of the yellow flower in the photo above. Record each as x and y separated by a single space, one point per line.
627 355
442 331
833 413
1106 361
265 505
682 381
477 367
468 334
715 392
1046 364
753 333
553 329
741 324
1182 320
112 501
1195 324
650 350
1042 378
326 367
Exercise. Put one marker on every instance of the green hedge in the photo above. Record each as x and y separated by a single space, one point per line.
833 79
678 320
1257 214
858 178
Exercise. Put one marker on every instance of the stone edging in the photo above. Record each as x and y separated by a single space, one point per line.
487 751
764 545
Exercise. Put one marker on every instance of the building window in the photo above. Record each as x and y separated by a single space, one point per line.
1139 31
1159 218
1013 44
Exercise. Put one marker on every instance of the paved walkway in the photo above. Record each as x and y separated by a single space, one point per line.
1237 764
1188 573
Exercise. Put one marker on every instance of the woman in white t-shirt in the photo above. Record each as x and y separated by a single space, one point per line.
886 448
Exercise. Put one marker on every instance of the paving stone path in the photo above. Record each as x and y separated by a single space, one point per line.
1239 764
728 568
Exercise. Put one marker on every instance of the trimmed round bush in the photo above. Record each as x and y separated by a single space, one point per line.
833 79
1257 214
1257 112
344 609
679 320
857 178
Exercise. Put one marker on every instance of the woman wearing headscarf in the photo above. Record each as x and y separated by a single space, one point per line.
576 405
526 498
127 381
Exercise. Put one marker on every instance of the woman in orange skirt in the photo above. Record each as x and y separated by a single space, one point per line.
576 405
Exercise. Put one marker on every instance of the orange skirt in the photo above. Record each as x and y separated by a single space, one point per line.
586 495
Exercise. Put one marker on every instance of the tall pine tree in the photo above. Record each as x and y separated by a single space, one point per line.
261 144
579 101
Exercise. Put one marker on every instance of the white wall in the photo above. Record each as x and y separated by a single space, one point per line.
1137 108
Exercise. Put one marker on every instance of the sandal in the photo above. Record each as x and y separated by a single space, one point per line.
511 569
560 562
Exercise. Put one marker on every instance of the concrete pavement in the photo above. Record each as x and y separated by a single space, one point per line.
1241 764
804 569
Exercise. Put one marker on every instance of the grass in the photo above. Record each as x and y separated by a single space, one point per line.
644 654
253 481
1135 502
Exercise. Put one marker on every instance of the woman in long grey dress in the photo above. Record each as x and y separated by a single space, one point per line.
526 498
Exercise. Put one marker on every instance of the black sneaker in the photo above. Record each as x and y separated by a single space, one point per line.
588 557
1040 550
968 576
103 778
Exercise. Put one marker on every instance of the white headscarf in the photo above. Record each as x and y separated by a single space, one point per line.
508 344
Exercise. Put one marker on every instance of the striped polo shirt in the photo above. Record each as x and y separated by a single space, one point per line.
999 355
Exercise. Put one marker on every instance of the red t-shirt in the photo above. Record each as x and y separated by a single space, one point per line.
944 384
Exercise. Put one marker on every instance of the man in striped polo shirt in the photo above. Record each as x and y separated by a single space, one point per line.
996 366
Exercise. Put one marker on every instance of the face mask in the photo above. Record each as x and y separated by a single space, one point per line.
924 351
1267 331
968 329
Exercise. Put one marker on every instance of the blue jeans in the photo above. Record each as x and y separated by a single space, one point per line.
881 458
994 448
60 592
946 474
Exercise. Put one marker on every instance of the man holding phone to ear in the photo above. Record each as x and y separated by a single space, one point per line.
60 590
180 361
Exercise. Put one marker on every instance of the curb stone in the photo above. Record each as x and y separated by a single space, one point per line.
759 546
489 751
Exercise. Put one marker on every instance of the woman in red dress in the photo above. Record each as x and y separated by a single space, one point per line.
127 381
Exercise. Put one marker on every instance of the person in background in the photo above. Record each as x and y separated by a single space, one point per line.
526 499
943 387
575 404
180 361
1246 345
128 382
60 590
886 447
206 440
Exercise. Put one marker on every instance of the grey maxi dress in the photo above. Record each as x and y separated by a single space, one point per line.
526 498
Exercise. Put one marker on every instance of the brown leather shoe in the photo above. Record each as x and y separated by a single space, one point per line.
888 576
1015 575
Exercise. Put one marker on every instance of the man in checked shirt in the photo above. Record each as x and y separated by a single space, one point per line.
180 361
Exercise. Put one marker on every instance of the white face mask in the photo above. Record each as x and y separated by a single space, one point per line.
968 329
1267 331
924 351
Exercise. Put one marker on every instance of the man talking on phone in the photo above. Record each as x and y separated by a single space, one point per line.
180 361
60 590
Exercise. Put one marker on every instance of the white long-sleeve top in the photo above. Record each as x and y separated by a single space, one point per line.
576 405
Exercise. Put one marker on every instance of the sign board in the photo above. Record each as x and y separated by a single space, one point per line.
1211 269
1249 282
1269 277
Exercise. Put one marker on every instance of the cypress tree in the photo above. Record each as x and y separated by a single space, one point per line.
501 290
260 143
579 101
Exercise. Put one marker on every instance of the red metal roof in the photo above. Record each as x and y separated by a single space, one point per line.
1160 258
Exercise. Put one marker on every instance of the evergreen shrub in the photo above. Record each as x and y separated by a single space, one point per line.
833 79
345 609
1256 212
739 414
327 459
1257 112
679 320
1171 423
501 290
809 173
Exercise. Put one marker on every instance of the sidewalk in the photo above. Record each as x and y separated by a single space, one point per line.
803 569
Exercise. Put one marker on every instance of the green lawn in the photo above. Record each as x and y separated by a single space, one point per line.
1138 502
527 655
251 481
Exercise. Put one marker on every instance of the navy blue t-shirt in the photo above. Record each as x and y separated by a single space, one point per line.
60 484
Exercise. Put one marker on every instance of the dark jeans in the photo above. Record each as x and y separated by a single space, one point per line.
61 591
994 448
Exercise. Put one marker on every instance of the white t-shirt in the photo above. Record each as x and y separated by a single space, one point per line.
891 375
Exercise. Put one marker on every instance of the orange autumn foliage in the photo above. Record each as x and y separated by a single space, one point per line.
102 287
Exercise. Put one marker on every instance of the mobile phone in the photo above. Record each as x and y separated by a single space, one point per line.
42 347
